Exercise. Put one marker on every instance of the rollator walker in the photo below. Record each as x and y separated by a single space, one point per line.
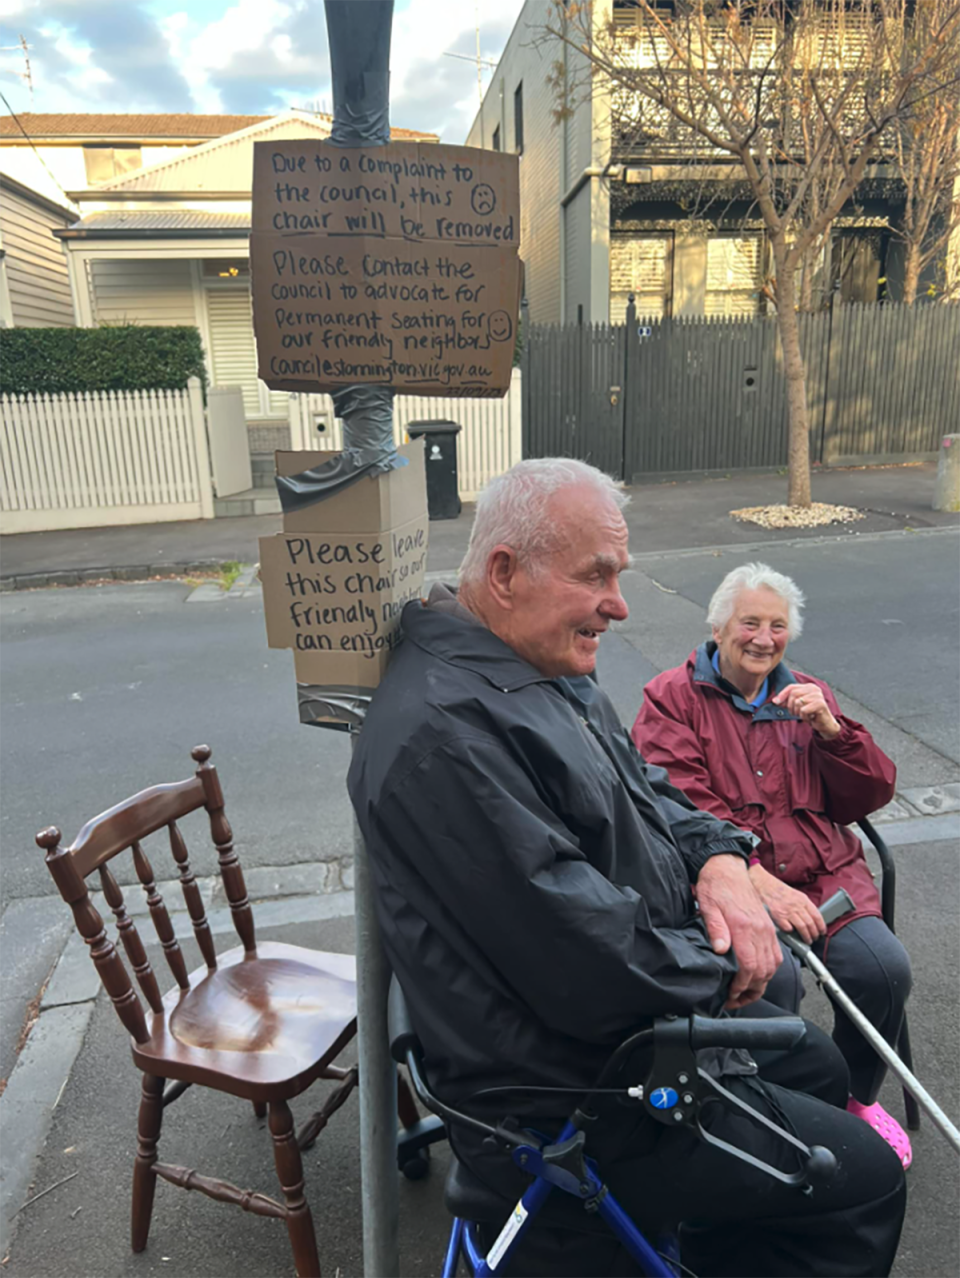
675 1091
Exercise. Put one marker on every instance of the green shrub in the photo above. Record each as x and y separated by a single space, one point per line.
54 361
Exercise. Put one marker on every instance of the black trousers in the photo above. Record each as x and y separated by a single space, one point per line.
734 1220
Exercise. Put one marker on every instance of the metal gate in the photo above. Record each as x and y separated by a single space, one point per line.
573 393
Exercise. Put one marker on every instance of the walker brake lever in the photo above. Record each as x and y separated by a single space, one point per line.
819 1162
673 1096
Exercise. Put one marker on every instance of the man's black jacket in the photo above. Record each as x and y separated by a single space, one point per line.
533 875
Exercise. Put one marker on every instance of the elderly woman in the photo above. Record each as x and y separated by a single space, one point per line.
761 745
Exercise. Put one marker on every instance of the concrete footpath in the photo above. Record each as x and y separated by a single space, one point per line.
673 515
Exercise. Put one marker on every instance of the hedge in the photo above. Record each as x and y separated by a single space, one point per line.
54 361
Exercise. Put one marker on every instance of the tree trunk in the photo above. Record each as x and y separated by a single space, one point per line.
911 274
798 448
806 290
806 280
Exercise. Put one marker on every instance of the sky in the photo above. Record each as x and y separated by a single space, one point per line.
251 57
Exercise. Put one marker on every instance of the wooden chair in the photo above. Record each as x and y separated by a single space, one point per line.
261 1022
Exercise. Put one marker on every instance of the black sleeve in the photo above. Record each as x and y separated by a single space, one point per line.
699 835
575 947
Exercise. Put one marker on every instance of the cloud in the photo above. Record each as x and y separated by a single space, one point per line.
430 90
128 45
249 57
99 55
281 60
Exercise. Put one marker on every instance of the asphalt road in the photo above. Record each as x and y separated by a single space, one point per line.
106 688
105 691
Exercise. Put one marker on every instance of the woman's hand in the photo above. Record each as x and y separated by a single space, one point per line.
808 703
791 910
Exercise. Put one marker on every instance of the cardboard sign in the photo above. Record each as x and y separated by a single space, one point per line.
392 266
337 578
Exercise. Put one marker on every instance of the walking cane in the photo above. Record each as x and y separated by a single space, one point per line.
834 908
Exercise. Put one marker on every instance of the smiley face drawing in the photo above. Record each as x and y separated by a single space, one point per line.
500 326
483 199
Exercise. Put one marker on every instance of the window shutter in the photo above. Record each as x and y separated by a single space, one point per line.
637 266
733 275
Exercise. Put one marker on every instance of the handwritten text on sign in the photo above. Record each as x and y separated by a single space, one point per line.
388 265
325 592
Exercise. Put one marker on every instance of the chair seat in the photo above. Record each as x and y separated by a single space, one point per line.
256 1027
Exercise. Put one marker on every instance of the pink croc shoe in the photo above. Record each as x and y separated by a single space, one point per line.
884 1126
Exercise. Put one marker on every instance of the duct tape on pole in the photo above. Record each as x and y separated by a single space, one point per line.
359 38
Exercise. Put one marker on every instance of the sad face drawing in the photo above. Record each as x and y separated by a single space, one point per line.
483 199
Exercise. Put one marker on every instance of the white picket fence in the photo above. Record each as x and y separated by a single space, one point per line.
488 444
112 457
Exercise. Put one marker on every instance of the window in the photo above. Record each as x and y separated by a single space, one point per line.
105 162
733 275
518 119
496 138
639 264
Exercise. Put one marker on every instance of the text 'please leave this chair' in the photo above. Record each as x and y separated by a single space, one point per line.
259 1022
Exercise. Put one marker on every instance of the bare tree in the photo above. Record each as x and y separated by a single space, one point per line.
794 97
926 154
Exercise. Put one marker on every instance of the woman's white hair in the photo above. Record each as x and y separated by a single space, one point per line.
756 577
512 511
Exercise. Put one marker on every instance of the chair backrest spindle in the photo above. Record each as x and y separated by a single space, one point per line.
131 940
222 835
191 895
161 919
108 963
123 827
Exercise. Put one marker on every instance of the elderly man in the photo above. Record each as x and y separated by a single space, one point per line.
767 748
536 888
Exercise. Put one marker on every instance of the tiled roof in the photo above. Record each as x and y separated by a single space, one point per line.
222 165
69 125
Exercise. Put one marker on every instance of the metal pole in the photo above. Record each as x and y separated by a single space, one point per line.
874 1038
359 38
380 1197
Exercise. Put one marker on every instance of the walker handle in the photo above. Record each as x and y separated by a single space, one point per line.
753 1033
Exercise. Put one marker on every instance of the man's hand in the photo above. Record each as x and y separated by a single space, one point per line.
734 915
808 703
791 910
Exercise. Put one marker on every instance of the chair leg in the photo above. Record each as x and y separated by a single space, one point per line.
286 1153
260 1108
406 1106
144 1181
906 1055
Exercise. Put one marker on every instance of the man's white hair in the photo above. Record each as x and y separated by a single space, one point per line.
512 510
756 577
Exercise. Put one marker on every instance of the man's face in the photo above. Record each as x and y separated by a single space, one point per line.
560 611
753 641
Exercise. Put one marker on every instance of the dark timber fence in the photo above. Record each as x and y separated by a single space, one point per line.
702 394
